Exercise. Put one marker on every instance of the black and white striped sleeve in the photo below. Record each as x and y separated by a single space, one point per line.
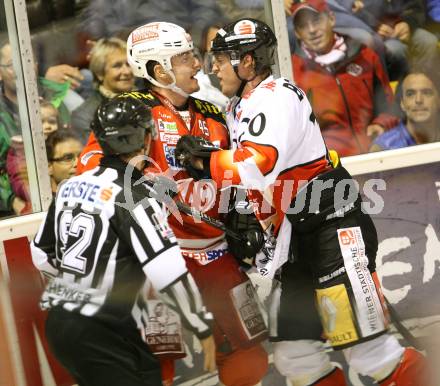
184 296
154 244
156 247
43 245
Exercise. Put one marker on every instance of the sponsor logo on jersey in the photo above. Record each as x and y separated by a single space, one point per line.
337 315
170 139
369 313
206 107
164 115
205 257
80 190
137 95
170 156
167 127
346 237
106 194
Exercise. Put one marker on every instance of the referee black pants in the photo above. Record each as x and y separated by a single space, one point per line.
97 355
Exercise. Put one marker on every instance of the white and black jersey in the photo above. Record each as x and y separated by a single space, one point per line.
102 235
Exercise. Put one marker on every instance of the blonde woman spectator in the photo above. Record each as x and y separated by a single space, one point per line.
111 75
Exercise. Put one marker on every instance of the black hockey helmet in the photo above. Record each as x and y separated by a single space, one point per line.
245 36
120 125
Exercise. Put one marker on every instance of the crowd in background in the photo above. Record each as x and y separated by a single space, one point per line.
368 68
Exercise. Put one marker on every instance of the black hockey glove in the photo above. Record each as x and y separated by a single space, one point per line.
252 235
190 146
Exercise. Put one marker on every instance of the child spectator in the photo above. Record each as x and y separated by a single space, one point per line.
16 159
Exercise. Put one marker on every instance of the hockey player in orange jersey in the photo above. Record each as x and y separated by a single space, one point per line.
162 53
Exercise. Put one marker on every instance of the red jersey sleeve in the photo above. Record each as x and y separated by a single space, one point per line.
90 156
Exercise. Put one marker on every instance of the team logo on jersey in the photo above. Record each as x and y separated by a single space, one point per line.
346 237
354 69
244 27
167 127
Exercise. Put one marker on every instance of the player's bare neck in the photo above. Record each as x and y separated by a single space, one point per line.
250 85
176 99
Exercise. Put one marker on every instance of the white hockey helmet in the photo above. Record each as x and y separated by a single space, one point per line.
158 41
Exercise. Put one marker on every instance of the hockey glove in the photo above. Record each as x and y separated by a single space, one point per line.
252 235
190 147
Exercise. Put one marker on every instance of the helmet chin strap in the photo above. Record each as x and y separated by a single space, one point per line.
171 86
243 81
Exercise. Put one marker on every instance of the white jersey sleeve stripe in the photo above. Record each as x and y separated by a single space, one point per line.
137 247
146 224
165 268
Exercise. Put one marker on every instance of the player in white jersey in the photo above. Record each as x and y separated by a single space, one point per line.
103 234
326 246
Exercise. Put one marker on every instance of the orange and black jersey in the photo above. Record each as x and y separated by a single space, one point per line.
198 118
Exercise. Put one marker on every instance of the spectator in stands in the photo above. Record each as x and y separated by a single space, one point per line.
10 122
48 89
433 17
420 102
238 9
102 18
16 159
112 75
344 81
392 28
63 148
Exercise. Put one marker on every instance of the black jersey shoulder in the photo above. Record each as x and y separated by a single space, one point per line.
209 110
144 95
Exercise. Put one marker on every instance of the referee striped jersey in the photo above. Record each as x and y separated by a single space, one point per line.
102 235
